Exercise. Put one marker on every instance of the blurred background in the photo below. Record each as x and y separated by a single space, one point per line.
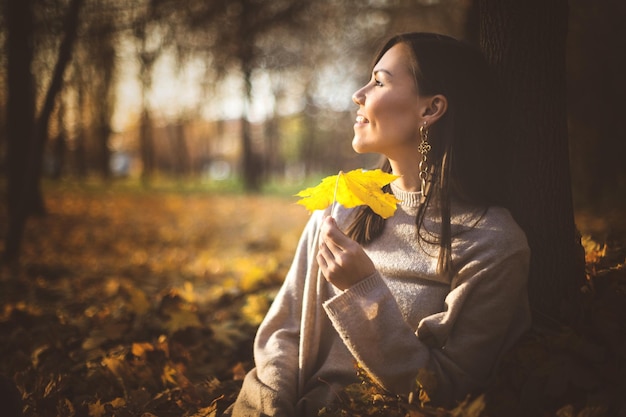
173 136
253 93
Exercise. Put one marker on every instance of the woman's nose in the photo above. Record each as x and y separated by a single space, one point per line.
358 97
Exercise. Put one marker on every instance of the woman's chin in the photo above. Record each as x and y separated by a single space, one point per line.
359 147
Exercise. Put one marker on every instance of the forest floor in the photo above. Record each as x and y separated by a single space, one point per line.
145 303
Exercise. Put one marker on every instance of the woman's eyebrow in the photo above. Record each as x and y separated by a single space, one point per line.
381 70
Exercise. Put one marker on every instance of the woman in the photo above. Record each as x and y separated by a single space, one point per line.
439 289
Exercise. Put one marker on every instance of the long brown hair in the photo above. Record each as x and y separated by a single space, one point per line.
466 144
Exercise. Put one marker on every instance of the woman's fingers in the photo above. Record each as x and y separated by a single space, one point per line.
342 261
334 238
321 260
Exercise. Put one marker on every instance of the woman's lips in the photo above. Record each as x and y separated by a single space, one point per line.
360 119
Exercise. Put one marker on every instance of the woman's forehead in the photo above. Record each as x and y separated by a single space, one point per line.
395 60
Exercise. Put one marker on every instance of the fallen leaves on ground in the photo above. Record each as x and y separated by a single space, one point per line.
141 305
147 305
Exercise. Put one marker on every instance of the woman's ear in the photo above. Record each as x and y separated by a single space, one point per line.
435 107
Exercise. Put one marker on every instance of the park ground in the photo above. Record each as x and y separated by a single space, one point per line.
144 302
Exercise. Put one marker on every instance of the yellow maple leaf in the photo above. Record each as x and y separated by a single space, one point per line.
351 189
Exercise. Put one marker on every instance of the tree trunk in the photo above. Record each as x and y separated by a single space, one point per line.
103 55
59 150
146 145
180 151
147 59
35 203
80 152
20 117
273 165
309 145
25 154
251 164
525 43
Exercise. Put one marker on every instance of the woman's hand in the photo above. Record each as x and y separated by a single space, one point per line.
342 261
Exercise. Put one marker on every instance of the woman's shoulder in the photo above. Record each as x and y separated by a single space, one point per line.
501 221
493 227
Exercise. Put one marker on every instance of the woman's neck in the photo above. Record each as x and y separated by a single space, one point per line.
408 175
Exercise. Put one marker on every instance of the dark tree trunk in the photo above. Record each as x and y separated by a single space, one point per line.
471 28
309 148
146 146
33 183
104 133
59 150
80 152
25 153
596 70
525 42
104 57
251 163
180 151
20 117
273 165
252 166
147 59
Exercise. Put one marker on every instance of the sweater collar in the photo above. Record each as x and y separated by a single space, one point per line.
408 198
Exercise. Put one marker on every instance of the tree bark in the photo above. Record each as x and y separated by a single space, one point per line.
181 163
147 58
25 155
20 116
525 41
246 56
80 153
146 146
104 56
59 150
251 165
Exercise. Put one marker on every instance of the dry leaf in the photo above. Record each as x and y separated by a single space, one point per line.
210 411
227 333
139 349
181 319
351 189
255 308
169 375
118 402
96 409
239 372
138 300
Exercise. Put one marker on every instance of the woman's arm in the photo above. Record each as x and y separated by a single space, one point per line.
485 313
460 345
271 387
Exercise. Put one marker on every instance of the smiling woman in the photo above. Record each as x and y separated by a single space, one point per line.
437 289
389 106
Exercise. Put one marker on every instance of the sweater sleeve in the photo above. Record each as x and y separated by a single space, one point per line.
271 387
485 312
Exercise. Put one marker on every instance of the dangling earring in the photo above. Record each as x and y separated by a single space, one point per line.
423 148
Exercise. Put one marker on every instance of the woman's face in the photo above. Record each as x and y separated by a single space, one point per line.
388 118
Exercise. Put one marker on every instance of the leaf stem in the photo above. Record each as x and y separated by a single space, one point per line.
332 210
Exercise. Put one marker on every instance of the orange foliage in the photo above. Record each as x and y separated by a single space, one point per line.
147 304
141 304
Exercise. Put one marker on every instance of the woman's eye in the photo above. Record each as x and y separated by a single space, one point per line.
378 82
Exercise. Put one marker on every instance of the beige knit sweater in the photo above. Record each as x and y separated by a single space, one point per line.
403 318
